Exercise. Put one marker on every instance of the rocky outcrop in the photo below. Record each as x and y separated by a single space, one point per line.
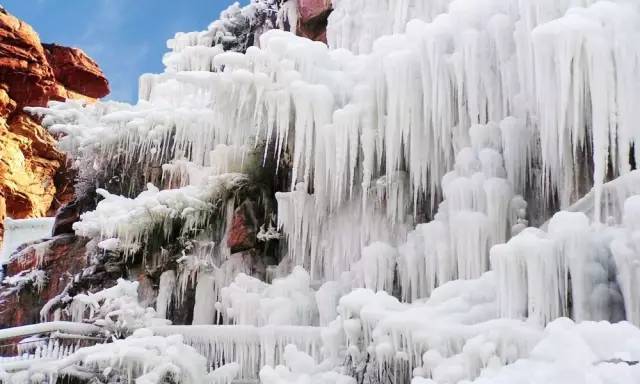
244 228
76 71
312 21
61 257
32 170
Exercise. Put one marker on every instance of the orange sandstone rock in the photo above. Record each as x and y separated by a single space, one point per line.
76 71
32 74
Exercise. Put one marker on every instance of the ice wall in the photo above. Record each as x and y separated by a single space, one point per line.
386 126
413 152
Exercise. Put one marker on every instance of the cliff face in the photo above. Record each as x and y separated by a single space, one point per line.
52 73
32 74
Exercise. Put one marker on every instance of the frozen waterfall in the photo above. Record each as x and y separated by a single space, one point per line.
460 202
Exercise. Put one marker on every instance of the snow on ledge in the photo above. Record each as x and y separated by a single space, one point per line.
18 232
54 326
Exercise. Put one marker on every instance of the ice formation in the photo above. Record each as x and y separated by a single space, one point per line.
131 222
116 310
35 278
23 231
457 198
287 301
301 368
584 352
142 357
249 346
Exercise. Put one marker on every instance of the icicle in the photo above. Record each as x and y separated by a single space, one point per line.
204 307
625 249
377 267
516 142
166 290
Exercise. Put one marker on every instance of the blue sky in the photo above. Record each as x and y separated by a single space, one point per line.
126 37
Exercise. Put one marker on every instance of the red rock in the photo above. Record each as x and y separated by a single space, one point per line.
311 9
244 228
7 105
31 183
64 257
313 17
23 64
76 71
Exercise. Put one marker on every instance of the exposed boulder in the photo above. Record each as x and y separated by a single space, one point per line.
76 71
313 15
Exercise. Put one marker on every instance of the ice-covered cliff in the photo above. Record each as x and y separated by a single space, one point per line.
445 193
34 179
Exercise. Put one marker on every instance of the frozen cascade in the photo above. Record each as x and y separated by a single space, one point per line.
478 211
204 311
540 272
411 153
364 92
331 246
356 25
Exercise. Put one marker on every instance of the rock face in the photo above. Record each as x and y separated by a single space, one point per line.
312 22
244 228
32 74
62 257
76 71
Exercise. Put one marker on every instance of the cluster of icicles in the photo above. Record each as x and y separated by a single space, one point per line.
387 125
457 114
37 349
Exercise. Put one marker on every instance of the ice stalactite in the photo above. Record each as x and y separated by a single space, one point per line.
376 269
327 298
517 151
566 271
35 279
418 117
117 310
286 301
209 269
626 250
573 351
18 232
249 346
356 25
478 211
583 78
614 195
166 289
329 246
204 311
142 357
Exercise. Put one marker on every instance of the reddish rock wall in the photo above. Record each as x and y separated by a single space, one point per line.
61 258
312 21
32 74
